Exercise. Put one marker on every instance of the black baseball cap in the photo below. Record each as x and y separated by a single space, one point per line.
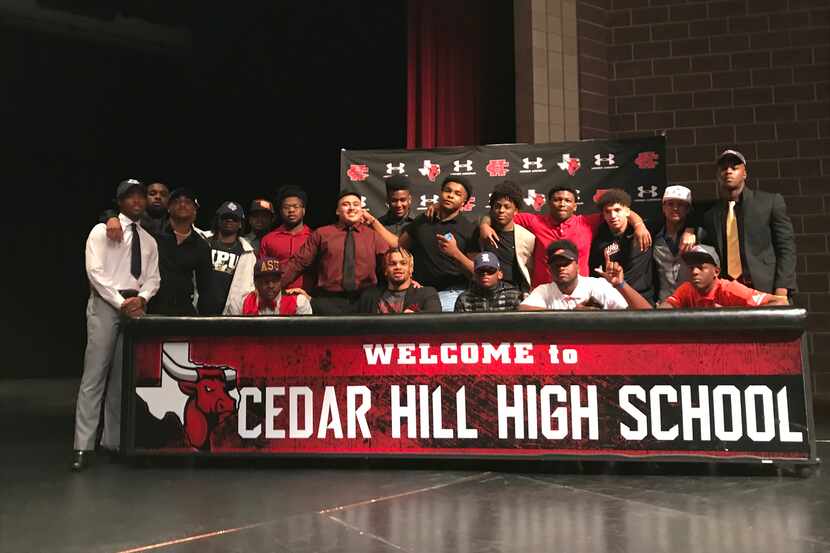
732 154
230 208
126 186
261 204
563 248
183 192
347 192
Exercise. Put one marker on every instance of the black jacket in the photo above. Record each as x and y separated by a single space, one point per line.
766 236
421 300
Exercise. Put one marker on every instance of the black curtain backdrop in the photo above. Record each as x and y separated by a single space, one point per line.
267 96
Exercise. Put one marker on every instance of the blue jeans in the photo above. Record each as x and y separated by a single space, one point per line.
448 298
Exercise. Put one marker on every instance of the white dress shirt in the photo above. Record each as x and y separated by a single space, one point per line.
108 263
548 296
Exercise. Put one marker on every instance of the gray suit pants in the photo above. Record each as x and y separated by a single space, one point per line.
102 373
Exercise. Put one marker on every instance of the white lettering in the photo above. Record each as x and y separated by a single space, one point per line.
639 417
242 423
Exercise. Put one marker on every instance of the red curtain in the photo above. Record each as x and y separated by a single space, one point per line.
444 67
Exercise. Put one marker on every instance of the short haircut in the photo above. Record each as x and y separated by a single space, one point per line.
399 250
161 182
509 190
614 196
290 191
559 188
468 187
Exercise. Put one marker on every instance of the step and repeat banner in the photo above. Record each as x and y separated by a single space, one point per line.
591 166
463 393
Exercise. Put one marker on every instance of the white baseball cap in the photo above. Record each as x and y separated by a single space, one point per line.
678 193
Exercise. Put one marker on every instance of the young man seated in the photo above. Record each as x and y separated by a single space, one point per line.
488 290
569 290
268 297
399 295
706 289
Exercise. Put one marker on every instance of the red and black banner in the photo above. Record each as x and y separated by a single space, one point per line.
637 165
467 392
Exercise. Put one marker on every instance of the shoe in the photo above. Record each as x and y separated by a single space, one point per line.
80 460
113 454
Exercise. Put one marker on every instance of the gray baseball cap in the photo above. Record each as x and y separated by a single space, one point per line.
702 253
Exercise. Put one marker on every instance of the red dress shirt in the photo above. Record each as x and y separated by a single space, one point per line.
282 244
325 248
579 229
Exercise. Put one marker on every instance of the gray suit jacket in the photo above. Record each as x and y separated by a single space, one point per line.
767 238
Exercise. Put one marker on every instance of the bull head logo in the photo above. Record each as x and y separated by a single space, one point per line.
207 387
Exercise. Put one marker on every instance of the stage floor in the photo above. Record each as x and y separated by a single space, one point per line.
433 507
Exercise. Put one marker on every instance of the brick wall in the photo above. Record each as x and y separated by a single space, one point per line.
750 74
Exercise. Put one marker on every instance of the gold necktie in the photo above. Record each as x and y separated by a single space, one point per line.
733 245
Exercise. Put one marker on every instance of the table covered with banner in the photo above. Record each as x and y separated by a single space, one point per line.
724 385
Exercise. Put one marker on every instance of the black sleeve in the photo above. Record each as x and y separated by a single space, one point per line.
368 301
204 268
107 215
474 245
431 303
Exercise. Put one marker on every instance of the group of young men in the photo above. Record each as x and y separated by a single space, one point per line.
149 257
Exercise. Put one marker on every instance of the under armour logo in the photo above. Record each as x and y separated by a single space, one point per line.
458 167
599 160
430 170
427 200
527 162
569 164
358 172
642 191
399 168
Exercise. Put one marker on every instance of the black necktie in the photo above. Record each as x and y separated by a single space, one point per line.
135 253
349 283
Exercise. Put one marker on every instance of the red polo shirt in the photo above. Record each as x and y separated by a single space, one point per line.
282 244
579 229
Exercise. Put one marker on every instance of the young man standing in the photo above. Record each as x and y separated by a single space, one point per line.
260 219
399 199
152 219
669 266
488 291
705 289
184 257
751 231
438 245
346 256
287 239
514 249
570 290
559 223
123 277
399 295
268 297
233 261
615 241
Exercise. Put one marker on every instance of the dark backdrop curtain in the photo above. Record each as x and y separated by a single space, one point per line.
460 86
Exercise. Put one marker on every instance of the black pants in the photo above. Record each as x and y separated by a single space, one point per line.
335 303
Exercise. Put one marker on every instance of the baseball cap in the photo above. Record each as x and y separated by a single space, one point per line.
267 266
126 186
260 205
230 208
183 192
468 187
678 193
563 248
732 153
397 182
702 253
486 260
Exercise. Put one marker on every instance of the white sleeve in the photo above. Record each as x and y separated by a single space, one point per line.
607 295
538 298
303 305
153 280
242 283
96 247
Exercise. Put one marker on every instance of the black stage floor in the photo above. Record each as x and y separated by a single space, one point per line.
382 507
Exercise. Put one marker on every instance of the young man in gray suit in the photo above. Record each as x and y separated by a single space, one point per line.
751 231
